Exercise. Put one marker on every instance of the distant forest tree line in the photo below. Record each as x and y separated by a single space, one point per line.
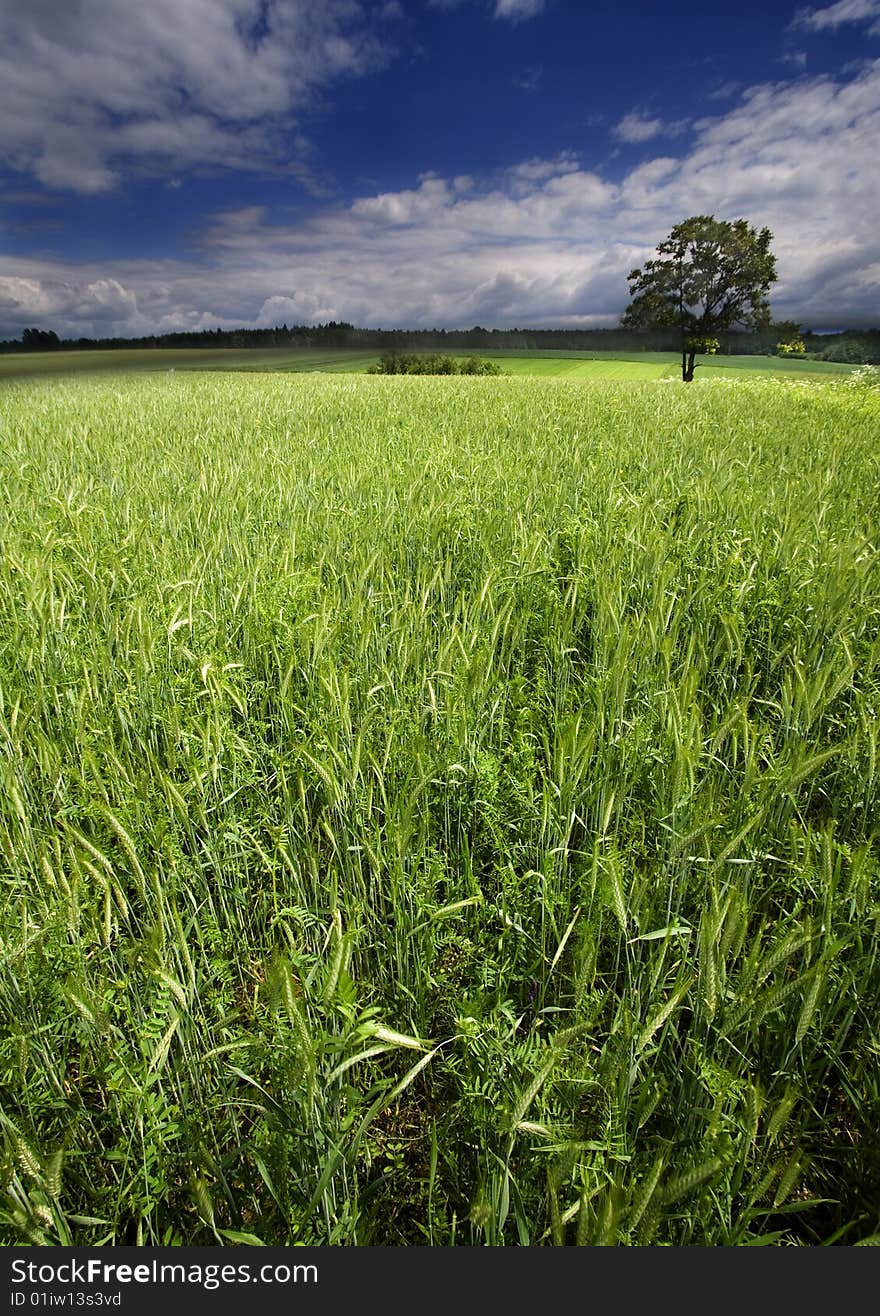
856 346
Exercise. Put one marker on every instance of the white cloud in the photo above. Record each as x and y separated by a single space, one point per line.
635 128
79 305
300 308
517 10
408 207
723 91
544 242
90 90
524 175
833 16
23 298
109 300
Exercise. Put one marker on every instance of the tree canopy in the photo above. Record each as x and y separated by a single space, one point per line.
709 276
40 340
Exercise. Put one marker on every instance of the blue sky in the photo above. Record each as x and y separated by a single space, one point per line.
182 164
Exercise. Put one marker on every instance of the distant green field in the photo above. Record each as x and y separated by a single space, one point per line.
29 364
655 365
771 366
578 365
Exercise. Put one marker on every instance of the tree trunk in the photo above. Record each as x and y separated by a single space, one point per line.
687 366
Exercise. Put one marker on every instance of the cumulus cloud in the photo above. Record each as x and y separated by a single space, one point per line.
821 19
298 308
545 242
80 305
91 89
23 299
407 207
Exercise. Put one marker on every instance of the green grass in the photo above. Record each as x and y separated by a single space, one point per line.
438 810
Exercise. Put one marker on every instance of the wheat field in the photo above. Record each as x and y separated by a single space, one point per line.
439 811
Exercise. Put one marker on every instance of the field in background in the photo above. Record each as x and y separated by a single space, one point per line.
656 365
584 365
22 365
438 811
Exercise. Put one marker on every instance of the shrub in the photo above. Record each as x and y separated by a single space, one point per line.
418 363
478 365
705 346
851 351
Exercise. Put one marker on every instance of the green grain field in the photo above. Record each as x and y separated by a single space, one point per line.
581 365
439 811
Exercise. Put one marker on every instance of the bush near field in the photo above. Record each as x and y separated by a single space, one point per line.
419 363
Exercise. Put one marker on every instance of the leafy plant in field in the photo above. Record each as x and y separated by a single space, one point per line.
416 363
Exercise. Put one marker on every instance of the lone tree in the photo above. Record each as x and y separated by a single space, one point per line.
710 274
